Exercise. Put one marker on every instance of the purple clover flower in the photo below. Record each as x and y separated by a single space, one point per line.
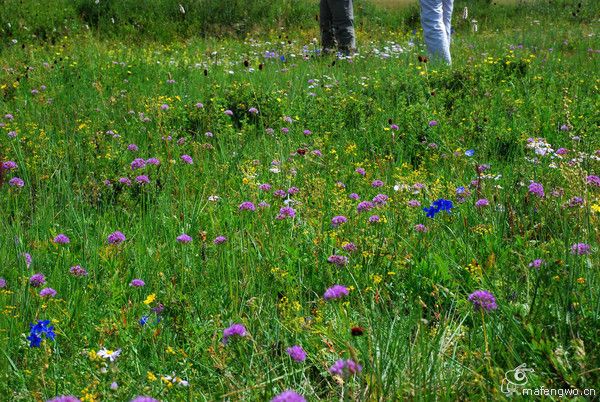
116 238
338 220
187 159
345 368
483 202
37 280
288 396
137 283
219 240
184 238
483 300
247 206
335 292
365 206
233 330
581 249
62 239
296 353
77 270
138 163
47 292
338 260
536 189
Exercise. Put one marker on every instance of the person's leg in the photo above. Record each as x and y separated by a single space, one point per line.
343 23
326 24
448 5
434 30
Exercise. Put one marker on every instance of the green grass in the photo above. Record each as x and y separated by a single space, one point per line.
512 80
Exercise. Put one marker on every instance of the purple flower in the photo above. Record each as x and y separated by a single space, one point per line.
143 398
562 151
47 292
184 238
419 227
394 127
138 163
125 181
374 219
483 300
536 189
307 132
433 123
354 196
365 206
77 270
377 183
137 283
338 220
297 353
335 292
265 187
288 396
338 260
414 203
199 105
132 148
233 330
293 190
279 193
164 106
153 161
27 258
64 398
16 182
286 212
483 202
537 263
9 165
247 206
361 171
62 239
575 201
228 112
564 127
253 111
187 159
593 180
2 283
142 179
380 199
317 152
345 368
264 204
220 240
581 249
116 238
349 247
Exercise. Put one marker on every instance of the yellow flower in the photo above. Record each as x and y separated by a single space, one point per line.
150 299
581 281
596 208
150 376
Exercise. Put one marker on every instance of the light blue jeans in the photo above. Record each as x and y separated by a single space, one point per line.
436 16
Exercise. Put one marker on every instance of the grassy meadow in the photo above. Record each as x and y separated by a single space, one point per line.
180 193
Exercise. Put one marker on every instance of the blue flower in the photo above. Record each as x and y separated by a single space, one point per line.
470 152
37 330
460 190
144 320
438 206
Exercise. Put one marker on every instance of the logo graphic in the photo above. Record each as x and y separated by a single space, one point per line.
514 379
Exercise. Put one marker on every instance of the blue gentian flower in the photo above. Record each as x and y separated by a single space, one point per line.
438 206
37 330
470 152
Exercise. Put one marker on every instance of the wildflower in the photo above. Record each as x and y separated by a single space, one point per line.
394 127
593 180
132 148
37 330
338 220
296 353
536 189
64 398
114 386
116 238
288 396
438 206
564 127
109 354
142 179
208 134
47 292
380 199
575 201
164 106
374 219
220 240
153 161
125 181
137 163
247 206
335 292
199 105
187 159
413 203
483 202
253 111
469 152
537 263
264 204
9 165
562 151
364 206
361 171
377 183
214 198
144 320
233 330
37 280
2 283
350 247
338 260
16 182
265 187
433 123
483 300
62 239
293 190
354 196
581 249
419 227
228 112
286 212
317 152
27 258
279 193
137 283
184 238
345 368
143 398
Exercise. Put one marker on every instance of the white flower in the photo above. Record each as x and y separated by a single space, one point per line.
109 354
214 198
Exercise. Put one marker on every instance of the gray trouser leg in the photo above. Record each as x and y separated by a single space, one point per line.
435 18
326 22
343 23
